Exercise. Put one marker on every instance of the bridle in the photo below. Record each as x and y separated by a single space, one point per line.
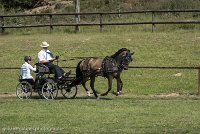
126 59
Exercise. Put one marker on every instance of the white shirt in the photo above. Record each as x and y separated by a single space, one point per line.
44 55
25 71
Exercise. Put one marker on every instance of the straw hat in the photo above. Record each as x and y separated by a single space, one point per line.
44 44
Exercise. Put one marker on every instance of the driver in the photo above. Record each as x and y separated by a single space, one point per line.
46 57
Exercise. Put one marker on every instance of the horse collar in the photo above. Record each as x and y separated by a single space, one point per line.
109 65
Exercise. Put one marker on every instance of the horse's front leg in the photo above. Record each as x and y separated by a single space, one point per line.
109 86
119 86
92 80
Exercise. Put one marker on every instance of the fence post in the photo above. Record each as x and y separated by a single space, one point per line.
101 20
2 24
198 82
77 16
153 20
50 22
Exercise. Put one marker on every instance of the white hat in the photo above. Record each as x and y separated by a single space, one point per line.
44 44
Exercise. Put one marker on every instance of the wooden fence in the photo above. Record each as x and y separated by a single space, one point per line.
153 21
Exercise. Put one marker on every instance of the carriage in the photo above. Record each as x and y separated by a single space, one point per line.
46 85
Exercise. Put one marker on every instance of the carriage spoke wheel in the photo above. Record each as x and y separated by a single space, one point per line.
49 90
69 92
24 90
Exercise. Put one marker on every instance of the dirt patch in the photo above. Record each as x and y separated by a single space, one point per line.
7 94
167 95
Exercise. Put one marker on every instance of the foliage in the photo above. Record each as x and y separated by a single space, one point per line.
18 4
99 5
109 5
127 5
181 4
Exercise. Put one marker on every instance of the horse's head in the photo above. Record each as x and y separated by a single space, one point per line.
126 59
123 57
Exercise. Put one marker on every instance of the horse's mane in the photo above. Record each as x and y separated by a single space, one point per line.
118 52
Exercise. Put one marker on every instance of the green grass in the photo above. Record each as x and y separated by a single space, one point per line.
178 48
153 100
109 115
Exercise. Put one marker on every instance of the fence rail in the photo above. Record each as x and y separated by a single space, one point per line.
153 21
143 67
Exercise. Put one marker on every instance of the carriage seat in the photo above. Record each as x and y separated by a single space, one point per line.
31 81
41 68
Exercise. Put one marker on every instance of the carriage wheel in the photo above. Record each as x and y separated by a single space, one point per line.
49 90
69 92
24 90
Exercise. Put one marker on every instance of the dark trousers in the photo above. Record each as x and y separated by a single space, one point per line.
55 69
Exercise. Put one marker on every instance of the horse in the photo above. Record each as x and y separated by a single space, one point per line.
109 67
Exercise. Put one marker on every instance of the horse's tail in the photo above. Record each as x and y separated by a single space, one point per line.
79 76
78 70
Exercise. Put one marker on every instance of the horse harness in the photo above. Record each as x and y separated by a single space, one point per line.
86 67
108 66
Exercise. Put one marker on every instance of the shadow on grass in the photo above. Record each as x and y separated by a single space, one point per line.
83 98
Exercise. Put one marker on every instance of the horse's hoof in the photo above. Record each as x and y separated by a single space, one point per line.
88 94
118 93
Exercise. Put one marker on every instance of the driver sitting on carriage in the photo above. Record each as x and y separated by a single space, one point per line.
45 57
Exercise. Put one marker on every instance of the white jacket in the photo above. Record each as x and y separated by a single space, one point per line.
25 71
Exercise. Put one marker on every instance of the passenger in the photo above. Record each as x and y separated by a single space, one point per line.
26 70
46 57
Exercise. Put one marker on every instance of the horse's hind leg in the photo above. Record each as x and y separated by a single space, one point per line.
86 89
109 86
92 80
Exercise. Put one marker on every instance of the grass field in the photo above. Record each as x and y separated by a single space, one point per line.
124 114
153 101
